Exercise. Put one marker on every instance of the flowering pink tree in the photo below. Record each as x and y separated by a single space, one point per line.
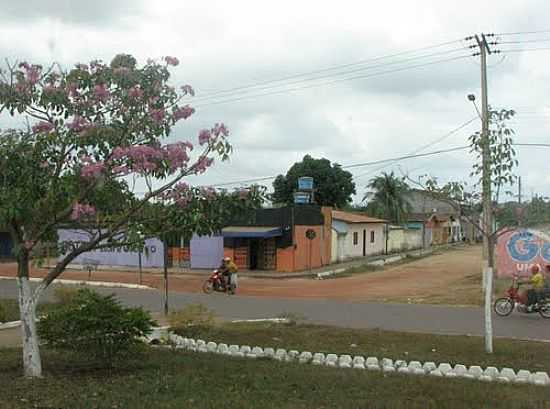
92 132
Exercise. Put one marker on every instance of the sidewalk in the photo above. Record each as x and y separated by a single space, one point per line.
331 269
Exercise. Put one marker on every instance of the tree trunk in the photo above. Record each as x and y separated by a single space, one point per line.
32 363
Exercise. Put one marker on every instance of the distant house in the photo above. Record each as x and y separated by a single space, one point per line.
285 239
443 221
356 235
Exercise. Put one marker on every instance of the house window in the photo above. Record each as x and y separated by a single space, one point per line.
372 236
355 238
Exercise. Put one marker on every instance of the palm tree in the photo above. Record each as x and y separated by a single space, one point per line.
386 197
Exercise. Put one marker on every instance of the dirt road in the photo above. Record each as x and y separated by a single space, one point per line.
449 277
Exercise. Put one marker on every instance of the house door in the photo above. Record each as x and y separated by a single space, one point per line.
364 243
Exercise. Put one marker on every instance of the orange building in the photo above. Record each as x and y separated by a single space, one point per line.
287 239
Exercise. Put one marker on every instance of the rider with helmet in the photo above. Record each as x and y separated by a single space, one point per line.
536 281
227 268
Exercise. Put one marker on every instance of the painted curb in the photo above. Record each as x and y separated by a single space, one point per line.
89 283
415 368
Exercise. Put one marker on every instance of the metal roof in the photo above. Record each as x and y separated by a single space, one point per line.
251 232
350 217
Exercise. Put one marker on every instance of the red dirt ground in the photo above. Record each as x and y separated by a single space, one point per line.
430 277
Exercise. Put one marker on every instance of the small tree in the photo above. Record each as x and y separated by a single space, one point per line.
92 132
333 185
96 324
502 162
387 198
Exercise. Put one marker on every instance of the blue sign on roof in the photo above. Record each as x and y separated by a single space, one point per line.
305 183
301 197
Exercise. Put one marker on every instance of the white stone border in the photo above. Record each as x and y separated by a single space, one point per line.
90 283
443 370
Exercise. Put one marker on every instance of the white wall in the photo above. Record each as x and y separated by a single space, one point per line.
356 250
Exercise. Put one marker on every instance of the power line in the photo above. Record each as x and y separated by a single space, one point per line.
225 101
334 67
355 165
519 50
436 141
275 84
522 32
542 40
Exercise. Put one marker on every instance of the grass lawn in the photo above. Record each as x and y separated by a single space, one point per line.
173 379
381 344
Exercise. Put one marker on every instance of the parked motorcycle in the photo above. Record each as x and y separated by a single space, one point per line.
216 283
505 305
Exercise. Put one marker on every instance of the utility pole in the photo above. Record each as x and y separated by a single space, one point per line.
486 195
519 190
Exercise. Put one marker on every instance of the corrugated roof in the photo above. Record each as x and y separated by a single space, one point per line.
350 217
251 231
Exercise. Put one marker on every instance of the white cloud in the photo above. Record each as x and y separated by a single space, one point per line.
231 44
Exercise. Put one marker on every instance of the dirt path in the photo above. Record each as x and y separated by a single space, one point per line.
438 277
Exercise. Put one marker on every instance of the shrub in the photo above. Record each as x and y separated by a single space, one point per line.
98 325
64 294
193 319
9 310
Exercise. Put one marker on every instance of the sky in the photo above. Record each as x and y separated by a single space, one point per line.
350 81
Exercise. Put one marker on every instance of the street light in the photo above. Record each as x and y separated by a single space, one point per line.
472 97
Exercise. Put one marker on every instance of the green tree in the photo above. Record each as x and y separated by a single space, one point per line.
333 185
386 198
93 133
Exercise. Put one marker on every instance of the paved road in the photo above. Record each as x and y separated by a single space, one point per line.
400 317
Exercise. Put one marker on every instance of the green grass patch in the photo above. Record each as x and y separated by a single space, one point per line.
9 309
173 379
383 344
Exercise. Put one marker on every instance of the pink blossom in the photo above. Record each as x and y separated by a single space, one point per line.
24 65
176 155
101 92
72 89
188 144
121 170
92 170
202 164
183 112
220 129
135 92
44 165
171 61
157 115
42 127
208 193
204 136
33 74
80 210
188 89
79 124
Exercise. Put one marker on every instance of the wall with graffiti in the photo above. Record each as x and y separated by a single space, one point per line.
519 249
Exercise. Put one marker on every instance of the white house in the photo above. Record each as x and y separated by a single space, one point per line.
356 235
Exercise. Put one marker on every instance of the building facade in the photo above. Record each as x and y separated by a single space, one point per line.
355 235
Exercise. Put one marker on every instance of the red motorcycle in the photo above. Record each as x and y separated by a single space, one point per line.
216 282
513 299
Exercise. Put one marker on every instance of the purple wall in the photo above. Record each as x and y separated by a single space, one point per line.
154 257
206 251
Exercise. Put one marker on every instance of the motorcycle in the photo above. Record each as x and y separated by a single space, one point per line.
513 299
216 283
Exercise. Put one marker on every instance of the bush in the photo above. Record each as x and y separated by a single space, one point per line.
97 325
9 310
193 319
64 294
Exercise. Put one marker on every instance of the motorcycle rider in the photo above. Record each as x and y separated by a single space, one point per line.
536 281
227 268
